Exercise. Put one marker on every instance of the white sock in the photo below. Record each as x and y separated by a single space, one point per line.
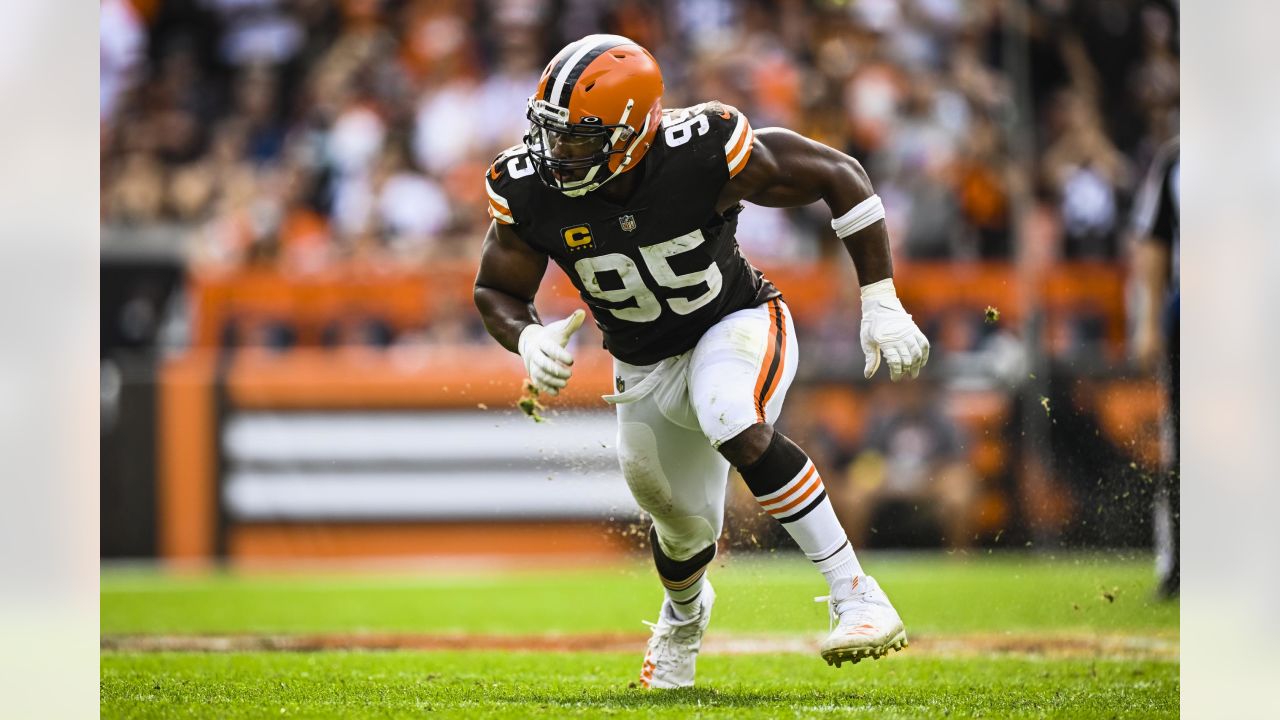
788 486
802 506
687 609
839 568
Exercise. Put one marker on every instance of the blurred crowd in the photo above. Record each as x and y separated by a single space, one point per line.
304 133
308 135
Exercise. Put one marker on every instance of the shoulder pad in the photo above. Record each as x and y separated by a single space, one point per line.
718 121
506 183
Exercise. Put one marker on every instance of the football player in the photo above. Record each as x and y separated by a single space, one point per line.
638 205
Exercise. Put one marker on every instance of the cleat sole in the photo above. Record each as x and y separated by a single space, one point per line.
839 656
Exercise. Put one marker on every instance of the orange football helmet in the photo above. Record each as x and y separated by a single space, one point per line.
594 114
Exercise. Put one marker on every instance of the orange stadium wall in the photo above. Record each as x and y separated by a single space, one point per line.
207 387
406 298
199 393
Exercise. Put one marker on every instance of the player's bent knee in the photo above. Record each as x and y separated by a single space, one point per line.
642 469
682 537
685 524
747 447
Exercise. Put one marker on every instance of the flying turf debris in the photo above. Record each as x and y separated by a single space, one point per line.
528 402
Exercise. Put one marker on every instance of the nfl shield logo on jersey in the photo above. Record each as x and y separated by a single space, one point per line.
627 223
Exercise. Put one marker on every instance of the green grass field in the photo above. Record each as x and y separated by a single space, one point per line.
1068 615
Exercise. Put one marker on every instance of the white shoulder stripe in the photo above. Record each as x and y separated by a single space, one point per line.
497 215
738 129
741 157
495 196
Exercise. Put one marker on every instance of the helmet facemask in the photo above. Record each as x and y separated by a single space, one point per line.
576 158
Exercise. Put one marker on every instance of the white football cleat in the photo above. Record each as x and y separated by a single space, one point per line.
672 656
864 624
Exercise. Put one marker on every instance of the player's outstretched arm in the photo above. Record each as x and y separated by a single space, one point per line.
786 169
509 276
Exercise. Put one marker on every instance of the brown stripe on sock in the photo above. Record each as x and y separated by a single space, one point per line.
678 585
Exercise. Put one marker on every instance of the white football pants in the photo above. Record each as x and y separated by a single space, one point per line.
672 416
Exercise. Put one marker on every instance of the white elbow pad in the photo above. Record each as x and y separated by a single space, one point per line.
861 216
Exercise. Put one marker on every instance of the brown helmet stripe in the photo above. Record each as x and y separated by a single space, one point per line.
588 49
557 63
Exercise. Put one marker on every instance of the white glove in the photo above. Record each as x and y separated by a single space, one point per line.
542 348
887 328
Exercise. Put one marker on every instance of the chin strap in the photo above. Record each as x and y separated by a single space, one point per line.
626 158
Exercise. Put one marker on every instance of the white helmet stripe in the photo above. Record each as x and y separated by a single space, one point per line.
557 92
